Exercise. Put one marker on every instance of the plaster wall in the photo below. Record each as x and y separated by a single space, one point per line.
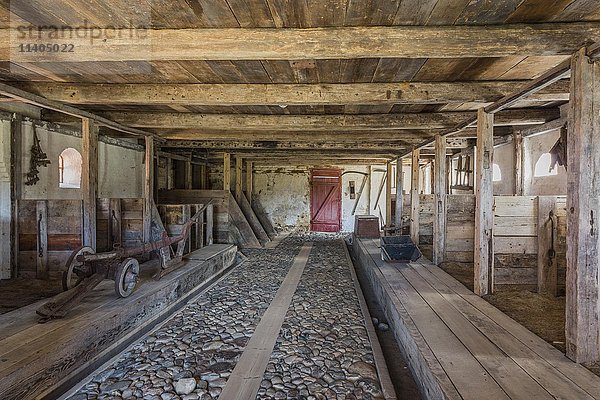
533 148
120 170
504 157
284 194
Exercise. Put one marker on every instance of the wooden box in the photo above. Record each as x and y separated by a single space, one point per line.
366 226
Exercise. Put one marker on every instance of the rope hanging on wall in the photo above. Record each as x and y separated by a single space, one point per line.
38 159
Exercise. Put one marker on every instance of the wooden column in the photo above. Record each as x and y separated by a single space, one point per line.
42 239
238 178
89 180
518 151
547 242
388 196
439 190
16 186
226 171
583 209
188 175
484 204
148 187
369 188
249 181
399 196
414 197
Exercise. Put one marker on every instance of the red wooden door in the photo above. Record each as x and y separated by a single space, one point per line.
326 201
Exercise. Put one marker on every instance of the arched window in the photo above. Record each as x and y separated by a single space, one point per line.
496 173
69 169
542 166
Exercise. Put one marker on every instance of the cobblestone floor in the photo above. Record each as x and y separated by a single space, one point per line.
322 351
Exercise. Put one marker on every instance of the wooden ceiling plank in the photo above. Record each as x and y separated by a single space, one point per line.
446 12
488 11
252 13
414 12
329 43
537 10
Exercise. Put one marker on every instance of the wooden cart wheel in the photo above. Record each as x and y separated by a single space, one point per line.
126 277
73 274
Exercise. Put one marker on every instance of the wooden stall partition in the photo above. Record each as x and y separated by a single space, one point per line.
174 216
515 242
119 221
49 231
460 228
220 202
426 204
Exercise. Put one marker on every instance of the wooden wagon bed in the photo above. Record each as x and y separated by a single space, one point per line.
459 346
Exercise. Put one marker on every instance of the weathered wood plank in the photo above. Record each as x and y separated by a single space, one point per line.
289 94
440 191
320 43
484 216
89 180
363 122
414 198
547 241
583 258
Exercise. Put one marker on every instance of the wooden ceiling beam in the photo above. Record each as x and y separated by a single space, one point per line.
327 123
312 43
287 94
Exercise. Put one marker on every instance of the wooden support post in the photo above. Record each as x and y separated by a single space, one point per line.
399 196
249 181
388 197
89 180
369 189
226 171
209 224
414 198
518 152
439 190
16 186
484 205
148 188
583 210
238 179
547 241
42 239
188 175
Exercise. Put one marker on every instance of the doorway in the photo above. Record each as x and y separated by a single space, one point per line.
326 200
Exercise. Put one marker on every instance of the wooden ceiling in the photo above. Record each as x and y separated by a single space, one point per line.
278 99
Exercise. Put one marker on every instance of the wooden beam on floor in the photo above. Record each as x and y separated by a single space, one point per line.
440 193
89 180
202 94
484 204
414 197
583 211
315 43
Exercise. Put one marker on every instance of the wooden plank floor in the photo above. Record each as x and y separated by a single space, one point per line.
471 349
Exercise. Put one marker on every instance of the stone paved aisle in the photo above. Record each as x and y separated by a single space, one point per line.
322 350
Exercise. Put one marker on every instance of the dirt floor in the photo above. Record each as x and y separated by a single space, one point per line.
542 315
17 293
